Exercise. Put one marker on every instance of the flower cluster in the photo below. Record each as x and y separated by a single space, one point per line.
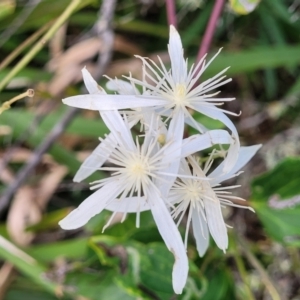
158 169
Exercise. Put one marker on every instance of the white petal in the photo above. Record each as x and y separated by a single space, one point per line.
173 150
90 84
233 151
129 205
96 159
118 127
111 102
203 141
178 64
215 222
200 231
122 87
246 153
91 206
172 238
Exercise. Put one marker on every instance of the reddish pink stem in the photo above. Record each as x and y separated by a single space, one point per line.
210 29
171 13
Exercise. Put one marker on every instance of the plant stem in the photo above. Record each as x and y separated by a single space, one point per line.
241 268
40 44
210 29
171 13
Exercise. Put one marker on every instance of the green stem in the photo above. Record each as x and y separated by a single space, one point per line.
241 268
40 44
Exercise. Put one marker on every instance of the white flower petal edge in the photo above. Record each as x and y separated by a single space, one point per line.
172 238
203 141
90 83
111 102
174 137
201 233
233 152
246 153
178 64
95 160
91 206
128 205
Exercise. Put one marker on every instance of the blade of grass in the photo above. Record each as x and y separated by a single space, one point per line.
40 44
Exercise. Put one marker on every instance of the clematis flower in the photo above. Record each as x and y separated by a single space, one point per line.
202 199
134 168
171 92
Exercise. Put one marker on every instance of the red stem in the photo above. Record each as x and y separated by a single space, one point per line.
171 13
210 29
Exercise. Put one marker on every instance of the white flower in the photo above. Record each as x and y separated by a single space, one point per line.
96 159
202 199
173 90
132 187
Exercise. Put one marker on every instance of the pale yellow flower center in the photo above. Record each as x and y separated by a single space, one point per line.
180 93
137 169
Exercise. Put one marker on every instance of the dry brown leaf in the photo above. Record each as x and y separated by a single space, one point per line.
23 213
67 66
7 176
133 66
5 130
122 45
48 185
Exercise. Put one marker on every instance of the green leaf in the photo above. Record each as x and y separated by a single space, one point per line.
26 264
282 180
49 220
69 249
282 224
254 59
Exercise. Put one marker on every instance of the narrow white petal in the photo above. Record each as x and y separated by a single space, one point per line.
245 154
119 129
201 232
216 222
233 151
122 87
91 206
178 64
173 150
170 234
96 159
203 141
90 84
128 205
111 102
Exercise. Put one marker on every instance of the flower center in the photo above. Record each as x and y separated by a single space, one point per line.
194 192
137 169
180 93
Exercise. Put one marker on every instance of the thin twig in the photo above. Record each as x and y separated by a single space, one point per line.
270 286
171 12
105 16
210 29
